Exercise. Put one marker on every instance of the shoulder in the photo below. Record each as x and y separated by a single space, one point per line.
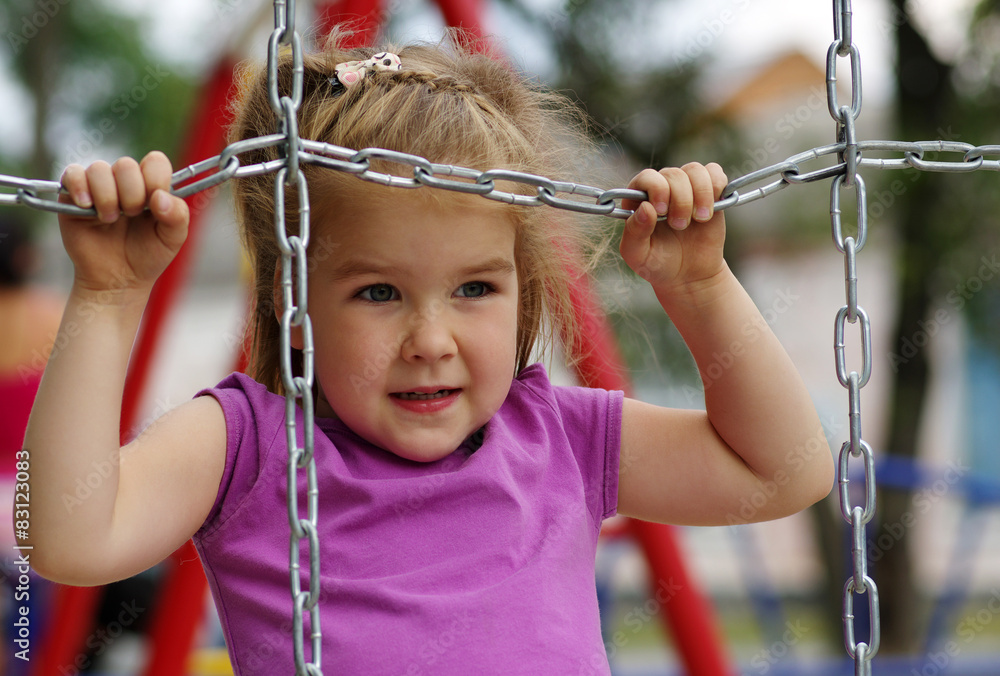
586 419
244 400
253 420
572 404
580 424
236 383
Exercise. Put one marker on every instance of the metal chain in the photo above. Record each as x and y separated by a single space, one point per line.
216 170
848 153
295 314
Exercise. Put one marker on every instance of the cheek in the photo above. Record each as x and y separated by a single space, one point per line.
342 341
357 342
499 332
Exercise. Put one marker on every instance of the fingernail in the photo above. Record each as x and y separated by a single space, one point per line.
702 213
661 208
678 223
84 199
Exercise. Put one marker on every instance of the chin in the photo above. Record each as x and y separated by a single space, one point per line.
423 454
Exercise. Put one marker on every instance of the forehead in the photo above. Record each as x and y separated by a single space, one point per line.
403 224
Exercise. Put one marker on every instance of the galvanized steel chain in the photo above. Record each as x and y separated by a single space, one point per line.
211 172
295 314
860 583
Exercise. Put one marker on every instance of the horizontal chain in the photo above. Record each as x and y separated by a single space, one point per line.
550 192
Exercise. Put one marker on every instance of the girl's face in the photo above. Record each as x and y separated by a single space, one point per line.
414 312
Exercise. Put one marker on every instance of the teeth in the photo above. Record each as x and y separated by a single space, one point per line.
421 396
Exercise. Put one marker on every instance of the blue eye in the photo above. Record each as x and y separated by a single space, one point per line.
378 293
473 290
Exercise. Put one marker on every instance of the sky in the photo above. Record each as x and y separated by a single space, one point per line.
738 35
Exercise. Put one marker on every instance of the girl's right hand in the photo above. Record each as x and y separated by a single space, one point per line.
126 247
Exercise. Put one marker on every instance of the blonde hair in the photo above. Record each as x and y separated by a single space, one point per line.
449 105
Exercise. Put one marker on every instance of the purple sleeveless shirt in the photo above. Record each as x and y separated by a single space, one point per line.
479 563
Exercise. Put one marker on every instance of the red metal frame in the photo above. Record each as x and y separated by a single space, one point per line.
178 613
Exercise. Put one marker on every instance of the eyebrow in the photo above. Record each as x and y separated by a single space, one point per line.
356 268
359 267
499 264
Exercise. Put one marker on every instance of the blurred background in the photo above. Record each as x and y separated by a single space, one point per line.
741 82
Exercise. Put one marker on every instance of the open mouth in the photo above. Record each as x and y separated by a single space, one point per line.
423 396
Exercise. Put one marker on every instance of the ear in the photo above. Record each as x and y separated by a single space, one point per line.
278 298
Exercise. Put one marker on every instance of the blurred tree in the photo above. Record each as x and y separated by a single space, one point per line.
97 87
645 113
944 223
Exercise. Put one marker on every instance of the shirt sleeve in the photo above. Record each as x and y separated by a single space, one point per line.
592 421
245 453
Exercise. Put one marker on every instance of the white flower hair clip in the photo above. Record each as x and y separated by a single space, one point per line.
349 73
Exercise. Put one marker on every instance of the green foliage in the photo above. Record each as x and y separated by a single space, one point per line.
100 90
968 213
645 113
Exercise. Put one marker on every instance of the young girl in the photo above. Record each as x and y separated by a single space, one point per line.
461 494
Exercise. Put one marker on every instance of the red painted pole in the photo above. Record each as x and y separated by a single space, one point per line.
689 618
465 14
362 16
180 604
72 619
179 612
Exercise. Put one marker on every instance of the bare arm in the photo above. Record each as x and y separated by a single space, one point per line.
758 452
100 512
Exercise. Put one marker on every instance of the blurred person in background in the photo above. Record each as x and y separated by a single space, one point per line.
29 323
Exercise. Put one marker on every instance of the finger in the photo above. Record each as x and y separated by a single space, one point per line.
719 179
156 171
131 187
104 191
681 197
655 186
169 210
172 217
639 227
702 190
74 180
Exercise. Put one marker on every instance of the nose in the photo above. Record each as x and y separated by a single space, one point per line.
429 337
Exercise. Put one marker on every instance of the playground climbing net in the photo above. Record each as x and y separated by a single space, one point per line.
850 156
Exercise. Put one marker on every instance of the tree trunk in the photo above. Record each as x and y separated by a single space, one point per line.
41 59
924 96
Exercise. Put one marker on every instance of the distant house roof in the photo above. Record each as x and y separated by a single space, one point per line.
792 75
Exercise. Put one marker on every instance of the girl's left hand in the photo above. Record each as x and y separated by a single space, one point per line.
681 253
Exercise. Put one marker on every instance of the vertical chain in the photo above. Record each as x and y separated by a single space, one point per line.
859 583
294 285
